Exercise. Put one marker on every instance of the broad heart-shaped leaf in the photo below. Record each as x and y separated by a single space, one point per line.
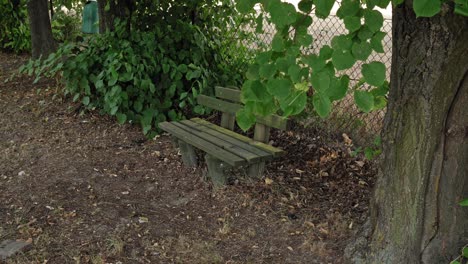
265 108
315 62
245 6
323 7
461 7
277 44
380 102
295 73
294 103
380 3
322 105
320 81
426 8
267 70
365 33
376 41
282 14
280 88
352 23
304 39
374 73
85 100
305 5
338 88
361 51
263 57
325 52
342 59
342 42
464 202
283 63
254 91
245 119
373 19
348 8
465 252
364 100
253 72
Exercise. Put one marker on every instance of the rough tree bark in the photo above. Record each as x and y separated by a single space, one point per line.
423 175
43 42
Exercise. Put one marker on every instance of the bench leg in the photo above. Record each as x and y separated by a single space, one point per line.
216 171
188 154
256 170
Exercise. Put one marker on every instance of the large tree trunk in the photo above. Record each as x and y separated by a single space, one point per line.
415 216
41 32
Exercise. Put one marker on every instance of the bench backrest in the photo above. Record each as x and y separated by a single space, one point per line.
228 101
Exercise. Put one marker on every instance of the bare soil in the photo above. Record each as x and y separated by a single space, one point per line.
83 189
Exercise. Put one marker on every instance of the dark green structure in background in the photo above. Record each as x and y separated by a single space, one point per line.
90 18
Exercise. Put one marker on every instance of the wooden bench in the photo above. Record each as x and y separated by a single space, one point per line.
223 147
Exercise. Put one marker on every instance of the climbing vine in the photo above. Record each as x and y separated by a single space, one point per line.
284 79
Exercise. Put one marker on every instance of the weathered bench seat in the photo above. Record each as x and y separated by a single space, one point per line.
223 147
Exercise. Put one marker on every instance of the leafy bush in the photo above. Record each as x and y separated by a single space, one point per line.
146 76
66 26
14 28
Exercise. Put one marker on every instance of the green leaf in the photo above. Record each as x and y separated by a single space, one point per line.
315 62
259 22
304 39
352 23
342 42
373 19
426 8
263 57
380 102
121 118
267 70
305 5
245 6
283 63
455 262
365 33
322 105
294 104
295 73
260 92
338 88
277 44
282 14
245 120
364 100
380 3
182 68
361 51
280 88
464 202
323 7
348 8
320 81
461 7
374 73
253 72
85 100
376 41
342 59
325 52
465 252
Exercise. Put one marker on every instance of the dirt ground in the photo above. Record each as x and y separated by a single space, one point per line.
83 189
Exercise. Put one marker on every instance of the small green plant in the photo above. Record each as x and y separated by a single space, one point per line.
372 151
464 251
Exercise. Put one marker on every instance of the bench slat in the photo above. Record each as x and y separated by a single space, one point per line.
262 154
236 150
274 151
228 94
200 143
218 104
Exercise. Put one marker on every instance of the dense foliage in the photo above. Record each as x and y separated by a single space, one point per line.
14 27
280 78
153 71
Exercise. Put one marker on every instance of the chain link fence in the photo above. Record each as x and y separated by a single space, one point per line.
345 116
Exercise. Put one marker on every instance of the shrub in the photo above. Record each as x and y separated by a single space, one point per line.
146 76
14 28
